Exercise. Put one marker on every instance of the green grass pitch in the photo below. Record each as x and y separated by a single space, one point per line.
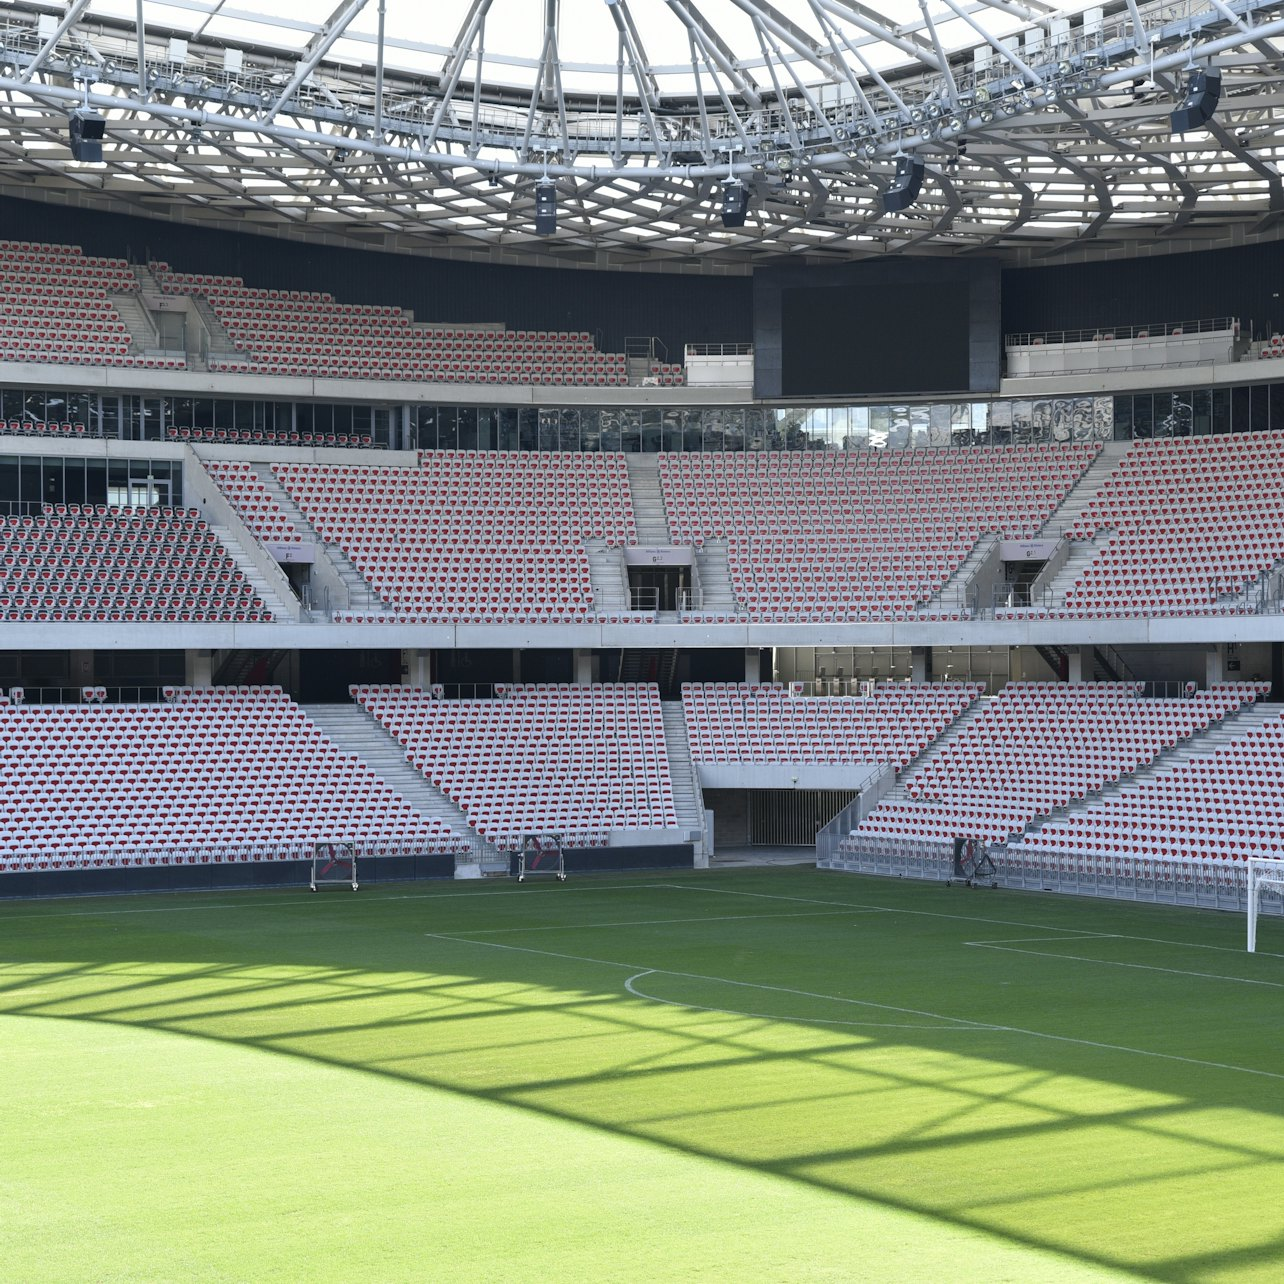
739 1075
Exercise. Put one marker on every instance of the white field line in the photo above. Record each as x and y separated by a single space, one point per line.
251 903
631 987
953 1022
659 922
969 918
1140 967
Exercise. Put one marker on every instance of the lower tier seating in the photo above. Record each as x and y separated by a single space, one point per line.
740 722
578 761
1039 746
1223 804
224 767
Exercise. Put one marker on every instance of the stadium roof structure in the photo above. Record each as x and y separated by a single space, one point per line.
404 125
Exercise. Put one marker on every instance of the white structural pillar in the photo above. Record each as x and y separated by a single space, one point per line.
920 663
753 665
416 668
1074 664
1214 665
199 668
583 668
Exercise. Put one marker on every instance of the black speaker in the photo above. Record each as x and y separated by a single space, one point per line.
1203 93
545 209
735 203
86 130
905 186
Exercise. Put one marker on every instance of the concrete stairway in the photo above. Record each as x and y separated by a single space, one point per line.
359 595
648 500
1082 552
688 799
953 594
142 333
267 595
898 792
607 576
713 578
356 732
1084 490
1232 727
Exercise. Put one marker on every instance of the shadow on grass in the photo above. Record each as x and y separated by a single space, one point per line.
951 1116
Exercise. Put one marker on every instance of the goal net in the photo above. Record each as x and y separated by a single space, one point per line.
1265 877
334 865
541 854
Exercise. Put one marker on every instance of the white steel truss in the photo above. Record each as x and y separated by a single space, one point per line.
1039 129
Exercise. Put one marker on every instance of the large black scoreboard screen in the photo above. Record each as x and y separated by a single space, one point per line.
902 328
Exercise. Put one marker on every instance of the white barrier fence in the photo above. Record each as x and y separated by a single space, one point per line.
1203 884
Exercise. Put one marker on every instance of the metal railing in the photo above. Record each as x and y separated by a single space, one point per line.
1105 333
76 695
719 350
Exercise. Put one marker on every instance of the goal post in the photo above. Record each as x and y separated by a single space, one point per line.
1264 875
334 865
541 854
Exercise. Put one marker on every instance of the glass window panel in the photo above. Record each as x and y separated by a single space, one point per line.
508 428
569 430
590 428
447 428
1221 410
630 429
528 428
467 428
611 435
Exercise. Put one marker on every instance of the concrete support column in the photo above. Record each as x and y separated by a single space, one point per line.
1214 665
1074 665
753 665
920 664
199 668
583 661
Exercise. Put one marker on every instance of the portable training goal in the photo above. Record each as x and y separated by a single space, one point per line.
1264 876
334 865
541 854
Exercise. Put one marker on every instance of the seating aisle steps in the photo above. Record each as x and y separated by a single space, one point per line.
648 502
267 595
355 731
360 596
688 798
607 575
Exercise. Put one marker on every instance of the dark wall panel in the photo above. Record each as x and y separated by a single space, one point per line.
1244 281
614 305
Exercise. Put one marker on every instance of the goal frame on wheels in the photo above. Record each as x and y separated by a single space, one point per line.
1264 874
541 854
334 864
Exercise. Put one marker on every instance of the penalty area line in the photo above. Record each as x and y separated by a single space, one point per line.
659 922
951 1022
1140 967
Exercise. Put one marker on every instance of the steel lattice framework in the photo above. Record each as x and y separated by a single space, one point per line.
1039 129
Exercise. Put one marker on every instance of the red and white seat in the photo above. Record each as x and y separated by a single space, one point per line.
217 773
748 723
578 761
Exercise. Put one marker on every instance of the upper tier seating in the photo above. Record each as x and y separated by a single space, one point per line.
1223 804
267 437
304 332
84 562
55 306
1192 519
249 495
864 534
578 761
1037 746
174 783
471 536
39 428
738 722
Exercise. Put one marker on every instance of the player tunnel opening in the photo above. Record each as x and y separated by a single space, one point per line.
773 817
